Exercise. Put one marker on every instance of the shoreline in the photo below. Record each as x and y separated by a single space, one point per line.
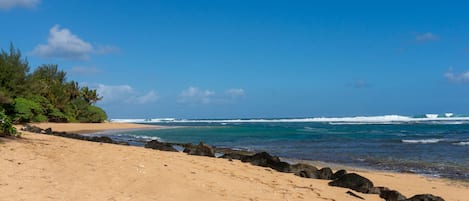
408 184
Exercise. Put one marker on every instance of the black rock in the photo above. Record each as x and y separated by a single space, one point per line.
201 149
155 144
48 131
236 156
338 174
353 181
103 139
325 173
378 190
264 159
425 197
355 195
391 195
304 170
32 129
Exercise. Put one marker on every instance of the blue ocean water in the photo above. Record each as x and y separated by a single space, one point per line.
429 147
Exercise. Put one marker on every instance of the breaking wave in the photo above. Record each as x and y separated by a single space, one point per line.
422 141
385 119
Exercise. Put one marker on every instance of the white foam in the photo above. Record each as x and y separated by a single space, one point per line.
385 119
423 141
461 143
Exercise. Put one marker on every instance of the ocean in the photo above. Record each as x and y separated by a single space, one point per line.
430 145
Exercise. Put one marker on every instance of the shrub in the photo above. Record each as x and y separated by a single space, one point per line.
26 110
93 114
6 127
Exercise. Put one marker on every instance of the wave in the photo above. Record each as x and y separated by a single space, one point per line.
385 119
461 143
423 141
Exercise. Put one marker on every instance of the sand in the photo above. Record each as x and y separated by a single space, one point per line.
42 167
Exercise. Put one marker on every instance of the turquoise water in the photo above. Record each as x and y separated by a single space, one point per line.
433 148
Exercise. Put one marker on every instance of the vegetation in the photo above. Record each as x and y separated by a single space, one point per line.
6 127
43 95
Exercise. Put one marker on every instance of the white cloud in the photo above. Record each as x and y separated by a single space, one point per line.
194 95
124 94
360 83
235 93
456 77
9 4
426 37
62 43
83 70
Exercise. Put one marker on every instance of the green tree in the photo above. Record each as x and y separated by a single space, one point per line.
27 110
13 71
90 95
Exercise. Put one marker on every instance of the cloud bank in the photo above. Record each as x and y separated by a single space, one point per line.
9 4
62 43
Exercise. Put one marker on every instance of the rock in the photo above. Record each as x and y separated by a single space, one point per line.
391 195
103 139
304 170
425 197
355 195
378 190
338 174
325 173
264 159
200 150
48 131
155 144
32 129
353 181
235 156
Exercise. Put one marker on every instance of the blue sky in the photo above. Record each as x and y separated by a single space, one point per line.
240 59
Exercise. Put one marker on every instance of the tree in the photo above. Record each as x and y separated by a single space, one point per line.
90 95
13 70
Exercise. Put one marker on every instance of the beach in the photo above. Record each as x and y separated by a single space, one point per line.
44 167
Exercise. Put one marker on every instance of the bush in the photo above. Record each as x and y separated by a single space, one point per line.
6 127
93 114
26 110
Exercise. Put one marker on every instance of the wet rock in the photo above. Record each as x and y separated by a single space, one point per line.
425 197
155 144
235 156
353 181
325 173
103 139
391 195
201 149
338 174
264 159
304 170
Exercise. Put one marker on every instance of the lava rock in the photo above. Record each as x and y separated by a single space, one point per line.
353 181
391 195
155 144
32 129
378 190
325 173
425 197
48 131
264 159
201 149
103 139
304 170
338 174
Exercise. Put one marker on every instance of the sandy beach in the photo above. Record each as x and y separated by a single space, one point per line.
43 167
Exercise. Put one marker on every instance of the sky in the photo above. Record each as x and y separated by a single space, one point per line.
252 59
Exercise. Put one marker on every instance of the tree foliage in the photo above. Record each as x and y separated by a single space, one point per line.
6 127
45 94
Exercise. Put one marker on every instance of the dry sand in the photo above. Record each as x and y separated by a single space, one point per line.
42 167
